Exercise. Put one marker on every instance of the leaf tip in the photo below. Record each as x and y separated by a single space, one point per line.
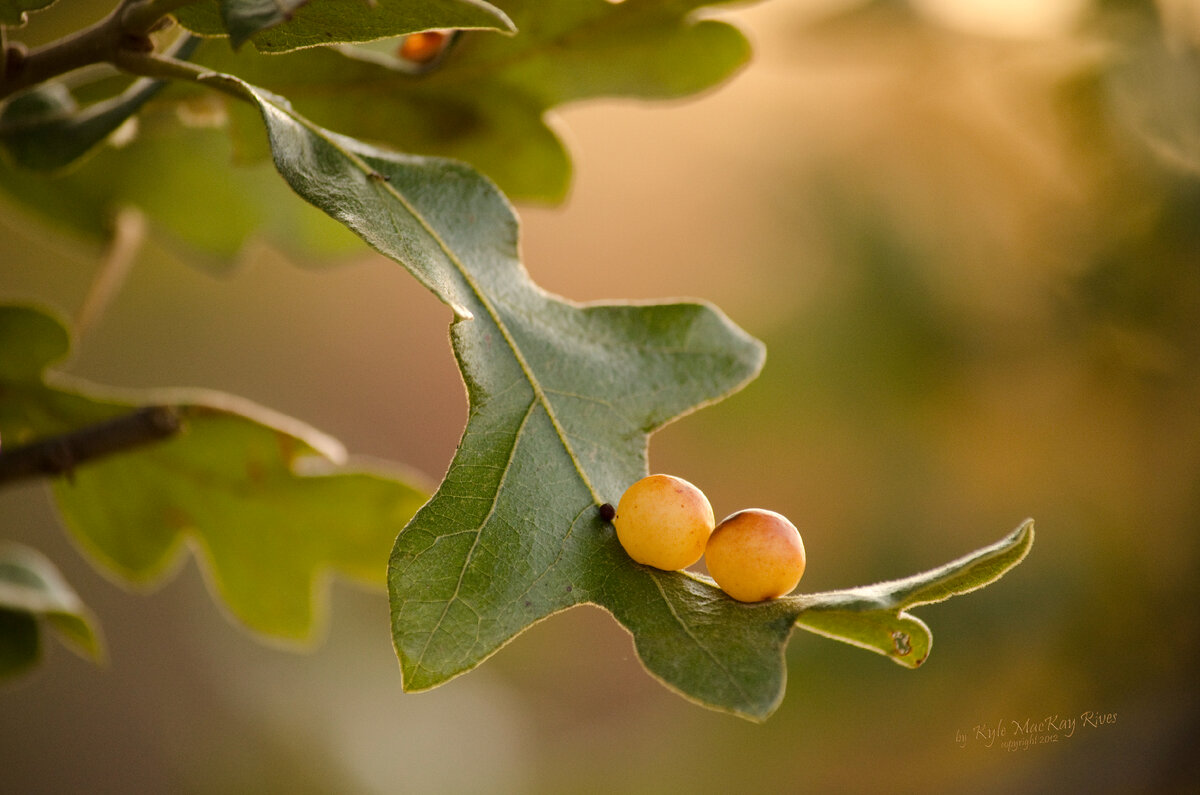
1024 533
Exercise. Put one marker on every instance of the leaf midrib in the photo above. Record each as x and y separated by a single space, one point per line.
540 395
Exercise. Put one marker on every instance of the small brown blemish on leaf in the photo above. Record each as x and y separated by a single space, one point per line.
901 642
375 176
256 471
176 518
607 512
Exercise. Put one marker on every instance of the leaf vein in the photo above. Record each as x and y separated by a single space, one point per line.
476 289
437 627
654 577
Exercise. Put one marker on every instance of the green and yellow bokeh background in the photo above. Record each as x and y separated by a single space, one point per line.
971 243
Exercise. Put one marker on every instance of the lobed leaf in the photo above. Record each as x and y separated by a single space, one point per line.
265 501
487 102
31 588
285 25
183 177
562 401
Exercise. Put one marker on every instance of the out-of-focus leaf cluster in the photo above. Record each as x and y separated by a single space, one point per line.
487 102
268 504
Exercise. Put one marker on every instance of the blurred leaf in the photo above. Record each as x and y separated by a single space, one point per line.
44 129
201 200
486 104
283 25
487 101
260 496
1155 90
12 12
32 588
563 399
19 642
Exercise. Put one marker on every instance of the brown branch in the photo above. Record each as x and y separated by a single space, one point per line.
94 44
59 455
125 29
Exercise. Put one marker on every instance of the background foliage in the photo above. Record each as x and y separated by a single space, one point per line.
972 260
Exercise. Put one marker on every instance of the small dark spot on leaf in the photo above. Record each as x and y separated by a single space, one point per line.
569 587
375 176
528 603
607 512
256 471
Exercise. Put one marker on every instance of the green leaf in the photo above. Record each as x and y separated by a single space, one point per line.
875 617
32 588
184 178
563 399
487 102
45 129
284 25
263 500
244 18
12 12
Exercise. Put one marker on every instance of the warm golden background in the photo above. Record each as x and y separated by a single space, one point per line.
969 234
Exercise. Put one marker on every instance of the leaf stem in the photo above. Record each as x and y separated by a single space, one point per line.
59 455
129 233
164 67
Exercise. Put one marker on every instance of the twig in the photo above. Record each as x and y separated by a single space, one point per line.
126 29
128 235
59 455
94 44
